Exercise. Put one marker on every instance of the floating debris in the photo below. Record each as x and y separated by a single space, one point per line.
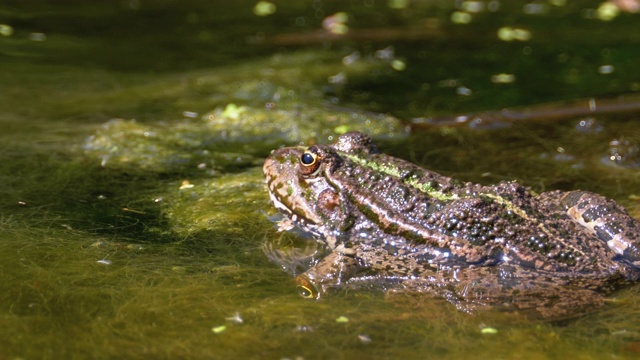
463 90
503 78
606 69
336 23
624 152
607 11
351 58
233 111
489 330
104 261
218 329
398 65
264 8
6 30
236 318
460 17
365 339
386 54
304 328
339 78
507 33
473 6
630 6
588 125
186 185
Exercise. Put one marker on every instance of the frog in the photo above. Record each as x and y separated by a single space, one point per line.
388 222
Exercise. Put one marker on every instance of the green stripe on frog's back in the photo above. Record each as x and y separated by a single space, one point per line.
427 187
432 191
413 181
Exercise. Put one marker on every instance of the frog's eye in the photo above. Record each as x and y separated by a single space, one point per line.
310 162
308 158
306 292
306 288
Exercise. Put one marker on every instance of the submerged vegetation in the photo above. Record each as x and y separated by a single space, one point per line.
134 215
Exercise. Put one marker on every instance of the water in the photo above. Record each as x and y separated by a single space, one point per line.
133 213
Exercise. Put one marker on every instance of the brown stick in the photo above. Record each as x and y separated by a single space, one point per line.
385 34
629 103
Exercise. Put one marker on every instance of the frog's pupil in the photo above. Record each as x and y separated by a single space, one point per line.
307 159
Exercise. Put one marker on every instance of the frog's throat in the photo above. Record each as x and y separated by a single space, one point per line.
300 221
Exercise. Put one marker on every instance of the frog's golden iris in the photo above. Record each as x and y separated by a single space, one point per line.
309 162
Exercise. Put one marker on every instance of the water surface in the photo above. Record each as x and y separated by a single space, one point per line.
133 213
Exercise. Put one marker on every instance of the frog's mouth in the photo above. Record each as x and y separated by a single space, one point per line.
283 191
301 222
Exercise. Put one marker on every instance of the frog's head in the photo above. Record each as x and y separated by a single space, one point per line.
297 182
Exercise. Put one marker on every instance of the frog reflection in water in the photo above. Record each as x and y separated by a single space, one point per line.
389 221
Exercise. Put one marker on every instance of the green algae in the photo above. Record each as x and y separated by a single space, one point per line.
136 238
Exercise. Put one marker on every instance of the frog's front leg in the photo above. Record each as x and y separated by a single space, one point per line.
333 270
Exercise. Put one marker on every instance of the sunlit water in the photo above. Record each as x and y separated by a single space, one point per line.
145 236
